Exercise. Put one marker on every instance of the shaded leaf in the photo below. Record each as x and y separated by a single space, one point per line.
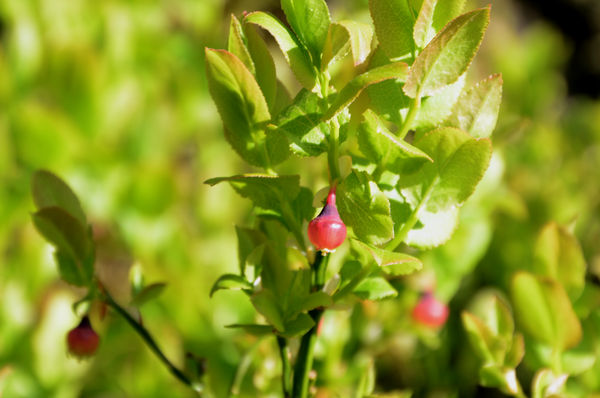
264 66
374 288
148 293
295 53
230 282
298 326
396 70
365 209
544 311
253 329
381 147
48 190
265 303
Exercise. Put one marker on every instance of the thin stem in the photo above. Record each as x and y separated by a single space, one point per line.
241 370
414 106
149 340
286 367
333 153
304 361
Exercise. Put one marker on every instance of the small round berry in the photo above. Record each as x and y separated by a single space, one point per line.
327 231
83 341
430 312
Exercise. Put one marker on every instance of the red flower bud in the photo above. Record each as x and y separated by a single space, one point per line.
430 312
83 341
327 231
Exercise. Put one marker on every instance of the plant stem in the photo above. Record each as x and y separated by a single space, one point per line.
149 340
414 106
304 361
333 153
286 367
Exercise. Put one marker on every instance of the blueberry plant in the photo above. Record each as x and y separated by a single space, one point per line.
403 143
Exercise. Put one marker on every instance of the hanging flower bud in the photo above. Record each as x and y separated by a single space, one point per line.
430 312
83 341
327 231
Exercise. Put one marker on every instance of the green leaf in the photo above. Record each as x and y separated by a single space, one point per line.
384 149
517 351
500 377
249 240
392 263
298 326
423 31
310 20
294 52
361 36
253 329
436 108
446 10
316 300
394 23
477 109
396 70
544 311
301 123
374 288
69 270
386 97
148 293
264 66
547 384
243 109
365 209
459 163
480 336
558 255
230 282
265 303
237 44
433 228
448 55
63 231
48 190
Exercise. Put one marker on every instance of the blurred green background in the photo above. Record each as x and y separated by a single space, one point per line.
111 95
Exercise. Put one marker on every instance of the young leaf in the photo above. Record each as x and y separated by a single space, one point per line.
49 190
446 10
237 45
448 55
243 109
547 384
392 263
310 20
544 311
423 30
381 147
264 66
294 52
480 336
230 282
396 70
394 23
148 293
477 109
360 36
500 377
459 162
365 209
374 288
301 123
